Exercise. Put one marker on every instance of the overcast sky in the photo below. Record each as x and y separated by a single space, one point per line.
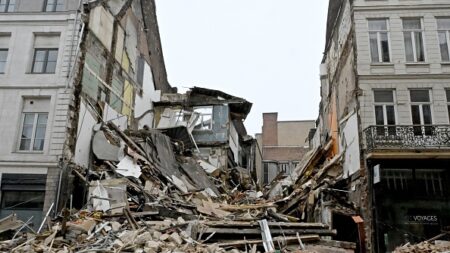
266 51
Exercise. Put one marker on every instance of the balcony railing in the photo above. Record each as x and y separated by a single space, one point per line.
407 137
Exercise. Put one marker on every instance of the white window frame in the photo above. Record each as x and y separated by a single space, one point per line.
378 32
8 5
384 104
447 37
412 32
33 133
204 127
420 104
54 4
5 61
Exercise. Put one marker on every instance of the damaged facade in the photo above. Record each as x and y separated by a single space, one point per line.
65 66
378 169
212 123
282 145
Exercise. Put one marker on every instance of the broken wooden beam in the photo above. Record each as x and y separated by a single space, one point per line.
287 239
276 231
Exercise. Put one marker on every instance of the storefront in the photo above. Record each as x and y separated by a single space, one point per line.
411 199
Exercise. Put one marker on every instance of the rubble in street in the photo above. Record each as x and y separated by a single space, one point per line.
148 194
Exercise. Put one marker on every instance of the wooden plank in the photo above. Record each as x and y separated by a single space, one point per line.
246 207
287 239
337 244
257 231
271 224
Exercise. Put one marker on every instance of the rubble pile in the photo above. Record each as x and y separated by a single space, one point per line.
147 192
424 247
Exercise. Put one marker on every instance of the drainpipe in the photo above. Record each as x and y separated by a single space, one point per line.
75 22
58 191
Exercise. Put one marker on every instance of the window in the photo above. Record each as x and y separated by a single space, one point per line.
45 60
384 111
34 125
7 5
418 182
53 5
205 120
379 40
412 33
23 191
45 53
284 167
266 173
443 25
3 56
421 111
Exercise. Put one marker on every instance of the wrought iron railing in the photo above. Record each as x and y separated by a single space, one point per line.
407 137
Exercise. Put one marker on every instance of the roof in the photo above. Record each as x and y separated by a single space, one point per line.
238 106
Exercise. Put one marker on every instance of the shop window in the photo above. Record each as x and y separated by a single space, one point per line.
422 183
23 191
430 182
398 180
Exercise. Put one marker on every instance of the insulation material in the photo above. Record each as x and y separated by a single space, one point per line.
120 120
86 122
128 99
350 145
101 24
119 44
128 168
143 104
99 198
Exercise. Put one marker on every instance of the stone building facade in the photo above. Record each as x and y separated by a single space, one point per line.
65 66
384 121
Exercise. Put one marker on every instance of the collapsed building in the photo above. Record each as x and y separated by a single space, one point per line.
102 154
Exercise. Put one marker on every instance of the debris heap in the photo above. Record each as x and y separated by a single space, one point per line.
147 193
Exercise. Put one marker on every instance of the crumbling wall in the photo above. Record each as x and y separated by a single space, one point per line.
219 133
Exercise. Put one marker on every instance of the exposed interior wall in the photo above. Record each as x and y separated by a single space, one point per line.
234 142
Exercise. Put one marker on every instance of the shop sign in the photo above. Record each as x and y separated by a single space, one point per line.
423 219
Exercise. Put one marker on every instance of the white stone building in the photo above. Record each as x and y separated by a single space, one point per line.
384 121
54 88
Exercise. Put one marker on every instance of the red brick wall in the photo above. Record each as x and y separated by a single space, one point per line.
270 129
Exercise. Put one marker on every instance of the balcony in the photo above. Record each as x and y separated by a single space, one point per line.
407 138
